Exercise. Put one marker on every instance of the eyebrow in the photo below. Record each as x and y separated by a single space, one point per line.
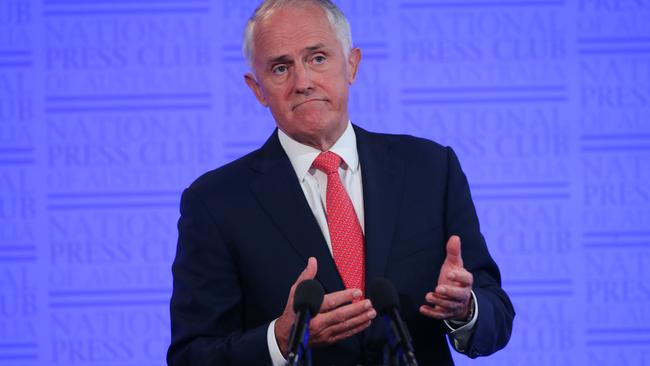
283 59
315 47
280 60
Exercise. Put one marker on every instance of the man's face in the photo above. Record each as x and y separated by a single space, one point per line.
302 74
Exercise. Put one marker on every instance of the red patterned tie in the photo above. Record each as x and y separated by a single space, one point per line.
345 230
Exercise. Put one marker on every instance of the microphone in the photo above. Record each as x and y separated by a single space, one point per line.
384 298
306 303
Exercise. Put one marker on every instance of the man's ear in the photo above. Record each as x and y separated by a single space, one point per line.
353 64
249 78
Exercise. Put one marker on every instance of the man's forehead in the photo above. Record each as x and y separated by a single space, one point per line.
272 45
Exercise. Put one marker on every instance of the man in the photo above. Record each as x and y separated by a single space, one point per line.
327 200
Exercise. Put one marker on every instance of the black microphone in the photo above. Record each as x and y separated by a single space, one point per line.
384 298
306 303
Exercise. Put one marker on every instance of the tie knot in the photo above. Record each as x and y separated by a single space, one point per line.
327 162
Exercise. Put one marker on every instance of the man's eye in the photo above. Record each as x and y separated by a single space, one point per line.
280 69
319 59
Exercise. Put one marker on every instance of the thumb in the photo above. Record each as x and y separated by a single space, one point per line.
310 271
284 322
453 251
307 274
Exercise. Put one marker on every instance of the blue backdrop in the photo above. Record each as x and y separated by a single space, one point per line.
109 108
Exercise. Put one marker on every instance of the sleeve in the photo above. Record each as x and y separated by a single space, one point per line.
459 331
206 304
277 359
494 323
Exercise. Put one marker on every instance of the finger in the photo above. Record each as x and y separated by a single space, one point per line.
432 297
452 306
338 298
309 273
347 324
314 339
284 323
454 292
342 314
435 313
461 276
350 332
453 251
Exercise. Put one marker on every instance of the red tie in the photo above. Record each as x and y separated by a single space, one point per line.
345 231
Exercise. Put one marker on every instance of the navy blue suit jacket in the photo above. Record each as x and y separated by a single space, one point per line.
246 231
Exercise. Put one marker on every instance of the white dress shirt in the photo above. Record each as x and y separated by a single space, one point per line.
314 185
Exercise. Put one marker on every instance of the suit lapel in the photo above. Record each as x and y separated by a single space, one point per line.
279 193
382 192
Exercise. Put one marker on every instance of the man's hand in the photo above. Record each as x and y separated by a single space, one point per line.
452 296
335 321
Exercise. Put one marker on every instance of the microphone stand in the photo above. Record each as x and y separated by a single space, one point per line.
397 352
303 355
392 349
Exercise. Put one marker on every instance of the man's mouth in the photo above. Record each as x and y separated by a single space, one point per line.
307 101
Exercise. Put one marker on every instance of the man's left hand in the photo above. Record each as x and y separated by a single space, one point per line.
452 296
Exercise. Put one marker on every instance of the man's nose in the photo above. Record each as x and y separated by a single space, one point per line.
303 81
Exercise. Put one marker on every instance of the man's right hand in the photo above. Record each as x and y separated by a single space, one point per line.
339 316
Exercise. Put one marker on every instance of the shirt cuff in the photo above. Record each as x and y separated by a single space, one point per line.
460 331
274 350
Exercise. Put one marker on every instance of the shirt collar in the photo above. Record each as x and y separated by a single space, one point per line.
302 156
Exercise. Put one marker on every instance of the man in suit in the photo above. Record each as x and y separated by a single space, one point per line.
328 200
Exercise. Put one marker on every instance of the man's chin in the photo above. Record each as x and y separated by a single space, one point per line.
320 136
312 118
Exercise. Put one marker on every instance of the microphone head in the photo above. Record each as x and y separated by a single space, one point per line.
383 295
309 294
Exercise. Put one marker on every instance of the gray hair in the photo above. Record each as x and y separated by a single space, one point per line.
337 20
